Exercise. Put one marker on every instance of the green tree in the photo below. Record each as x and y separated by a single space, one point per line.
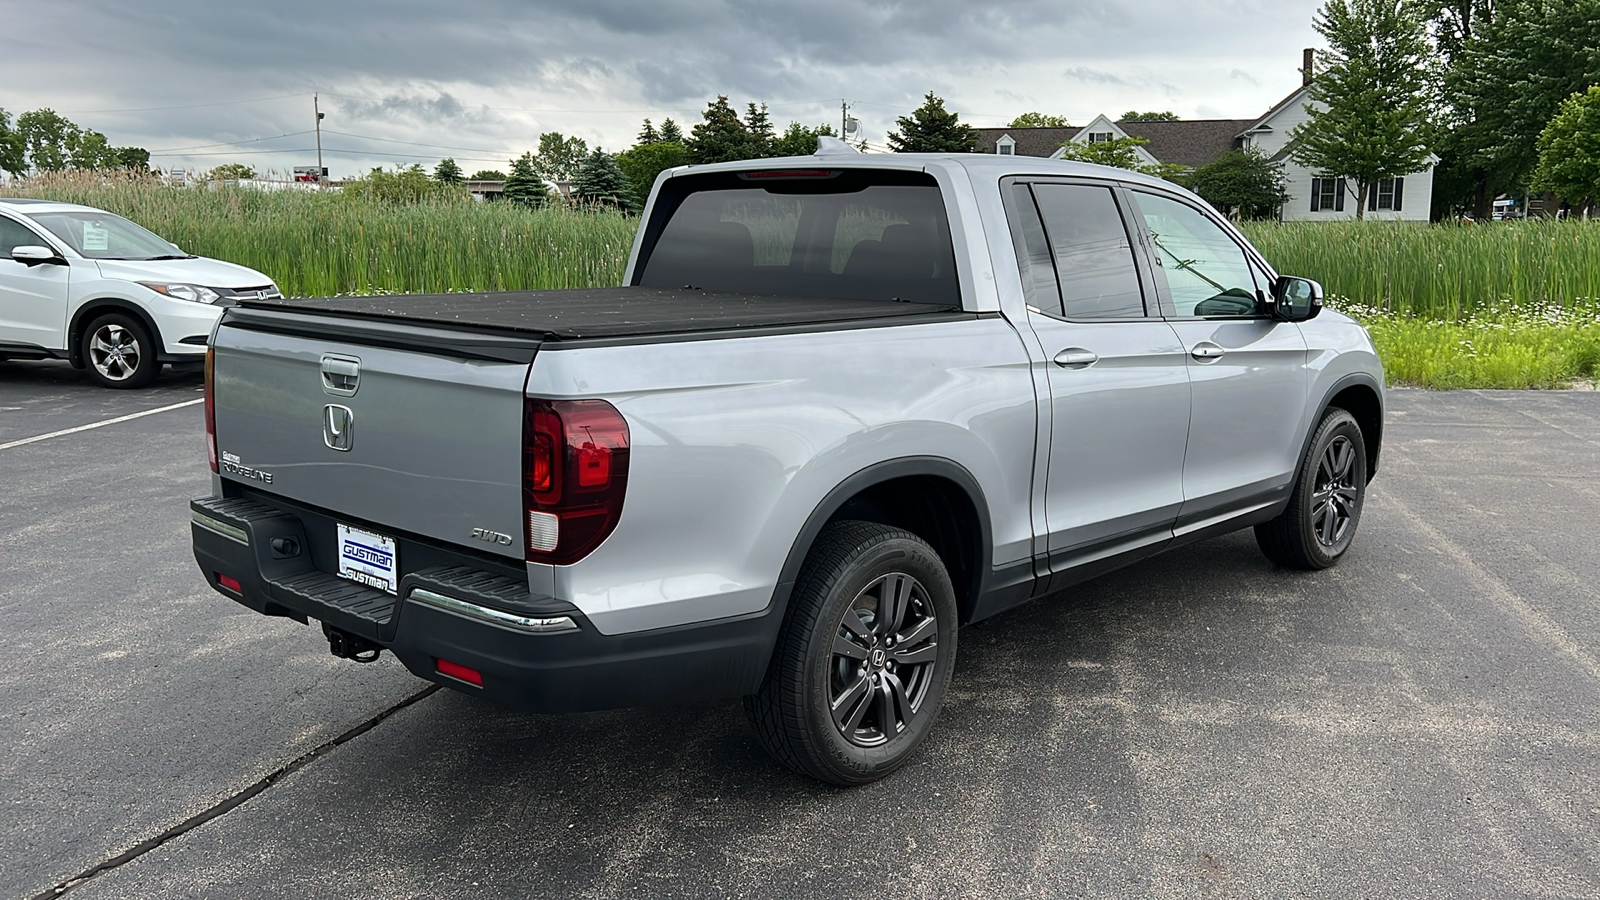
759 124
721 137
1120 153
1514 70
137 158
601 182
670 132
231 172
398 186
798 140
644 162
648 134
932 129
488 175
1038 120
1134 115
90 150
524 187
47 137
447 172
13 148
1569 150
1369 118
1243 184
559 156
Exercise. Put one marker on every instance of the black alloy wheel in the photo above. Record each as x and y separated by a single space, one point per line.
1330 488
864 656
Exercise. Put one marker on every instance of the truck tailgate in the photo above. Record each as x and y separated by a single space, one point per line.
406 438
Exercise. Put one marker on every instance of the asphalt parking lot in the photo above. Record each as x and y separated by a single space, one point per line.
1420 721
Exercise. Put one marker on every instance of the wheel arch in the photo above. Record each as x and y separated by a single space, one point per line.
90 309
1360 396
932 497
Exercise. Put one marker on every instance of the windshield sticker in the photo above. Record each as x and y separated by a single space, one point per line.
96 236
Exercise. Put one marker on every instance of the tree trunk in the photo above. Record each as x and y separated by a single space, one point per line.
1483 203
1361 199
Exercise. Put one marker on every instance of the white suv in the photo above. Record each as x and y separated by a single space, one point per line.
81 284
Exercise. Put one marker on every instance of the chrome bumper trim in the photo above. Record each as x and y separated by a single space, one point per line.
509 621
217 526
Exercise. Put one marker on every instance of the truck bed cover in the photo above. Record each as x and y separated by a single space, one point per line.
606 313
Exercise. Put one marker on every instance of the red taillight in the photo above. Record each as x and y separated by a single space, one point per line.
211 408
575 472
458 671
231 584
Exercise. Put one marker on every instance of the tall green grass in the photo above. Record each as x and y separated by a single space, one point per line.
1441 272
318 244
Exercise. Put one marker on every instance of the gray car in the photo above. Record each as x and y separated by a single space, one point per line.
842 407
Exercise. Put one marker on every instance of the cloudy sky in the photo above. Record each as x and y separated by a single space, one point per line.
203 82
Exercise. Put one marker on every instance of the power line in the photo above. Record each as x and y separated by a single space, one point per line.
78 112
368 137
233 143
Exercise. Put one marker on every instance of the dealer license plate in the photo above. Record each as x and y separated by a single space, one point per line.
368 557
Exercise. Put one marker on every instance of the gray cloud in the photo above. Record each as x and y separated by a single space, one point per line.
493 74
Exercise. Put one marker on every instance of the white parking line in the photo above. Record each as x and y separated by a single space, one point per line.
65 431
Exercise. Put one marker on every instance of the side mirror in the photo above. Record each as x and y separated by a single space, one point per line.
31 255
1296 299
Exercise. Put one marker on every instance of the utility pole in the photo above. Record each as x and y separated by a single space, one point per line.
844 118
317 109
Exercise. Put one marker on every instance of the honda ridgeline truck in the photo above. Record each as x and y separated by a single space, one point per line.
842 407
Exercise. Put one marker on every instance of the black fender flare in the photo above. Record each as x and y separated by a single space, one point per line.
1354 379
876 474
92 308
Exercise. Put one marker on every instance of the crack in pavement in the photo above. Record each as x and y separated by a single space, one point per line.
228 804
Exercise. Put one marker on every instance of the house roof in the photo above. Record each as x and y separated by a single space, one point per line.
1030 141
1188 142
1276 108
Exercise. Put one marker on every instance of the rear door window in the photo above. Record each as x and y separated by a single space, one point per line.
858 235
1095 265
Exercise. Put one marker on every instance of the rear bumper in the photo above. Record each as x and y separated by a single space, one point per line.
533 653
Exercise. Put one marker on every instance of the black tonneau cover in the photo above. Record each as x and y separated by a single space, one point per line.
619 312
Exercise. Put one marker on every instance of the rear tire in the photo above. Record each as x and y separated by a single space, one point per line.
118 352
1325 508
863 659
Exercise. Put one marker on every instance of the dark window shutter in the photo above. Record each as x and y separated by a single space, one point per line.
1338 195
1372 195
1399 191
1316 194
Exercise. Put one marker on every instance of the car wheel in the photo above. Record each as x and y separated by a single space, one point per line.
118 352
1325 507
863 659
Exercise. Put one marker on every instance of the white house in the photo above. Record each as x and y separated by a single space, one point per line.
1195 142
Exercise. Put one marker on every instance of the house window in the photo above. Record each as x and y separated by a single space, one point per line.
1386 194
1327 194
1005 150
1099 137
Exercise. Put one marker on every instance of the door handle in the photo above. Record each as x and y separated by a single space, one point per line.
1076 358
1205 351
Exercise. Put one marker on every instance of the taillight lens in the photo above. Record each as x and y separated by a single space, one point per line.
211 408
575 472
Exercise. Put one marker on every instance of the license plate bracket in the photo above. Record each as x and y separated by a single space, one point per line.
368 558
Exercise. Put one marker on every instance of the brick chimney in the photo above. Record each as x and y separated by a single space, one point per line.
1306 62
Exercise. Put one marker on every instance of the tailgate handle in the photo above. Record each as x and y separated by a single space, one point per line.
341 375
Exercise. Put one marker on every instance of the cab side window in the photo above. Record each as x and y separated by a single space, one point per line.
1207 272
14 235
1095 267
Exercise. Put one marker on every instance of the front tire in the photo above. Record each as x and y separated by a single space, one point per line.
1325 508
118 352
863 659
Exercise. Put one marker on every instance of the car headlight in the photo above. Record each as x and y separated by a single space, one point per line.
194 293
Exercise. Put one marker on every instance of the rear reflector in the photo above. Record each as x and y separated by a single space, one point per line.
231 584
459 672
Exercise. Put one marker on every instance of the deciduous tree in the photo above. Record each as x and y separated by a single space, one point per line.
231 172
559 156
1121 153
47 137
1134 115
13 149
1038 120
1369 118
1569 150
932 129
798 140
644 162
488 175
448 172
1244 184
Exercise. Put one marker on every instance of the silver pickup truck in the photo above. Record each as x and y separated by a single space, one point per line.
843 406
